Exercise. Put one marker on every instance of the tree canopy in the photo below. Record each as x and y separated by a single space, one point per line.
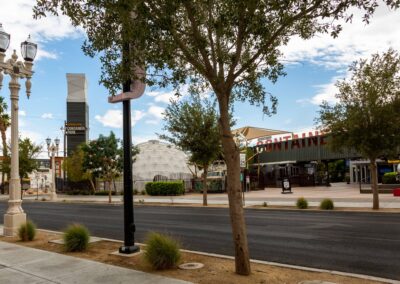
228 46
103 157
74 167
192 125
367 114
28 152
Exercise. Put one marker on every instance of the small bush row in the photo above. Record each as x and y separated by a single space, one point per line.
165 188
76 238
27 231
302 203
162 252
326 204
390 178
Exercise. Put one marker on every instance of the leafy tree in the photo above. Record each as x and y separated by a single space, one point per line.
228 46
4 124
103 158
193 126
28 152
367 114
74 167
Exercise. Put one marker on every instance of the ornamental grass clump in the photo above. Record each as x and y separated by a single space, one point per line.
76 238
162 252
326 204
27 231
302 203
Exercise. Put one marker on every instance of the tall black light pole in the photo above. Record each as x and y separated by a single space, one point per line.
129 224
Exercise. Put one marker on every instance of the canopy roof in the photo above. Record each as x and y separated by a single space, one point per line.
256 132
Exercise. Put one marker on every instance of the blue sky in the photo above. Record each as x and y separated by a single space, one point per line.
312 68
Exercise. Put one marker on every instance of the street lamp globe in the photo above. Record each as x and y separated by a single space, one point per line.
57 141
4 39
48 141
28 49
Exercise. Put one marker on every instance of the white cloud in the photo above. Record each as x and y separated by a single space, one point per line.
47 115
17 19
326 92
163 96
156 111
357 40
21 113
113 118
137 115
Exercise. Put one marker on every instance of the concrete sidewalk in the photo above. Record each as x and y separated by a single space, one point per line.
342 194
19 264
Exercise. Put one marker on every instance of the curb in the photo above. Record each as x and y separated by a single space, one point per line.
222 205
297 267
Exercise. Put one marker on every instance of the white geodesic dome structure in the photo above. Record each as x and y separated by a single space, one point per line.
159 159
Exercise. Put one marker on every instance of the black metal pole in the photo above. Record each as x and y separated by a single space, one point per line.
129 224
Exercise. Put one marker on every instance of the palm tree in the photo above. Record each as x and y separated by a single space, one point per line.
4 124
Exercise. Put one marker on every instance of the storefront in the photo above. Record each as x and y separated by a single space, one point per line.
304 158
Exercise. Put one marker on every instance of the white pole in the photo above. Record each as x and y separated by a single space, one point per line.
15 215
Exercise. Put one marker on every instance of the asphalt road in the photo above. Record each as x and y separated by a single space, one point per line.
365 243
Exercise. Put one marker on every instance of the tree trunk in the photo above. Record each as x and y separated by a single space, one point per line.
205 185
92 184
374 184
231 152
109 192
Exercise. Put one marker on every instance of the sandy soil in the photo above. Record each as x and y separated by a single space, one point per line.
215 270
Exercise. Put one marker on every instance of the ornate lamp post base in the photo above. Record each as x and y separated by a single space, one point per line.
14 216
12 222
53 196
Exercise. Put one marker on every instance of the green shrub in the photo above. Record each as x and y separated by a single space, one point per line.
165 188
27 231
389 178
162 252
76 238
326 204
302 203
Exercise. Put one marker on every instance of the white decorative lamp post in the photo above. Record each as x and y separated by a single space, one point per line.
52 148
15 215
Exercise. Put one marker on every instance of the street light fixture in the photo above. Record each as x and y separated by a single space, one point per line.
28 49
52 149
15 215
4 39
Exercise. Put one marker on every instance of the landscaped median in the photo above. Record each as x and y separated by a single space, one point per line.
216 269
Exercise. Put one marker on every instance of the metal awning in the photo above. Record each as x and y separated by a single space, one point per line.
274 163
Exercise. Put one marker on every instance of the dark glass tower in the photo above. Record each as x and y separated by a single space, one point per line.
77 124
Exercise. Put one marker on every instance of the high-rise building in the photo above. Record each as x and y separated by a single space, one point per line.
77 124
